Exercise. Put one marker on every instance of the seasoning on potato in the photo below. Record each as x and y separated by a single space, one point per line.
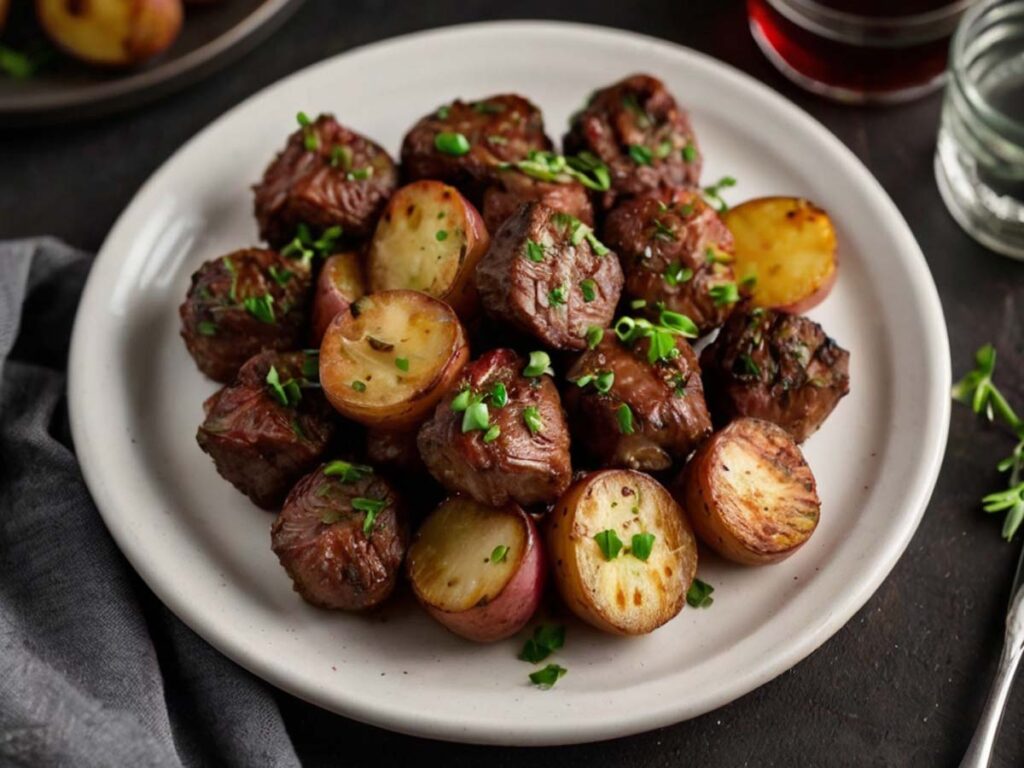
390 357
478 570
750 494
622 551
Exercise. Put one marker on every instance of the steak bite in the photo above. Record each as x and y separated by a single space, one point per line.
241 304
462 143
548 276
636 128
777 367
675 254
341 537
629 411
326 176
500 434
512 188
268 428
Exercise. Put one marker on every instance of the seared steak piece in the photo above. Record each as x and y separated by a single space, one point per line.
777 367
268 428
515 448
464 142
629 412
641 134
326 176
394 448
548 276
675 253
341 537
241 304
513 188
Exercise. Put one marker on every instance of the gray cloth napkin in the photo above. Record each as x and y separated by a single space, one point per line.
94 671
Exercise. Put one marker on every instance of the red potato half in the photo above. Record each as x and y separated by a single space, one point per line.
478 570
788 245
429 239
624 595
111 32
749 493
339 284
390 357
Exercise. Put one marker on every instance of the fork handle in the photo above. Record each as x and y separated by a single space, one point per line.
980 750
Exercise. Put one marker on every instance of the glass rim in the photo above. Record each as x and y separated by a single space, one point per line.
879 31
958 67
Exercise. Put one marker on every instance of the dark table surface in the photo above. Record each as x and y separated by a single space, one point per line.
903 682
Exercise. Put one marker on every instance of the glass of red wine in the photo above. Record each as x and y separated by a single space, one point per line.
858 51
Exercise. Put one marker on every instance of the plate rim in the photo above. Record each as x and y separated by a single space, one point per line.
107 96
426 724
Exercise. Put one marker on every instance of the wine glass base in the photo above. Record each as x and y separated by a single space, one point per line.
836 92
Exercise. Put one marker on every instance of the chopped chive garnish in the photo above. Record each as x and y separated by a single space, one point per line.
699 594
724 294
640 154
546 640
548 676
624 417
347 472
609 543
261 307
556 296
640 546
689 152
461 401
534 251
499 554
587 288
675 273
493 433
499 395
372 508
594 335
532 419
402 363
476 417
451 143
539 364
359 386
441 235
207 328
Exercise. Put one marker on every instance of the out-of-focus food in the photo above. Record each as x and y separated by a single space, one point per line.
786 246
512 188
547 275
636 128
339 283
463 143
270 427
627 410
623 554
429 239
395 449
478 570
341 537
499 435
676 254
241 304
391 357
111 32
775 366
749 493
326 176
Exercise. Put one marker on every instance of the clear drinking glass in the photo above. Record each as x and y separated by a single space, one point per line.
979 161
858 51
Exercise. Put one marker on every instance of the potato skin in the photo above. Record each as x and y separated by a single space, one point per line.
666 398
637 111
339 283
111 32
518 290
465 241
401 413
659 236
778 509
602 500
220 333
344 180
777 367
512 188
512 119
518 466
319 540
258 444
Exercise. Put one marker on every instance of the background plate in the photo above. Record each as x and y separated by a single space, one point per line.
212 35
136 399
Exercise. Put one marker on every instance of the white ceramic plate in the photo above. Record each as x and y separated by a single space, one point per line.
136 401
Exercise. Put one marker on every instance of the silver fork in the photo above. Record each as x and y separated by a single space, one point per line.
980 751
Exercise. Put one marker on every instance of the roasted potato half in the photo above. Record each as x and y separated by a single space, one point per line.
749 493
478 570
111 32
339 284
429 239
623 553
787 247
390 357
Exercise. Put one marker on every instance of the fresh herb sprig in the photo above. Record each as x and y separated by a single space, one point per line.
661 335
713 193
977 390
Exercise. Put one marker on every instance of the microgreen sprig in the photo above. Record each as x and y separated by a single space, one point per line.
977 390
